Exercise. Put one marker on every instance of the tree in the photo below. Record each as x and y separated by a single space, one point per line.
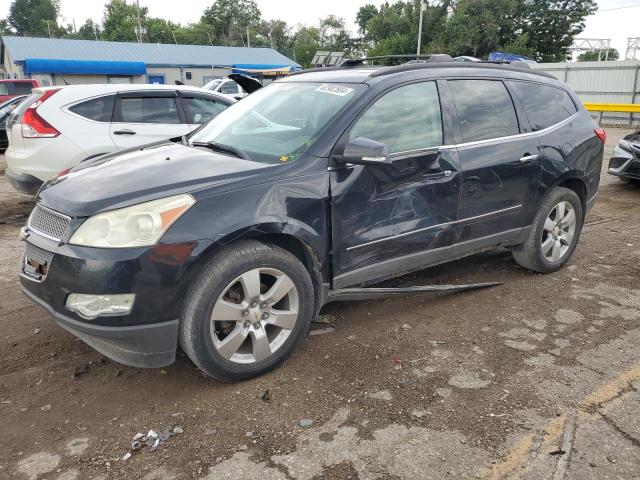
89 30
393 29
34 17
306 42
230 19
334 35
476 27
551 25
120 21
365 13
595 55
5 29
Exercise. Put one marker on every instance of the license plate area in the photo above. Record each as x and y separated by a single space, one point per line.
36 263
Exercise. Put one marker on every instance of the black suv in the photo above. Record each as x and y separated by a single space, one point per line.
230 240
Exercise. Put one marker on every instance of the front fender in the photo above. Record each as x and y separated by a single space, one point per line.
298 206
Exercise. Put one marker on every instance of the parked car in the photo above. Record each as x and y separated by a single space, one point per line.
230 240
227 87
6 108
59 127
11 88
625 159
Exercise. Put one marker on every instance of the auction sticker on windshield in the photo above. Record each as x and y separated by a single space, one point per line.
339 90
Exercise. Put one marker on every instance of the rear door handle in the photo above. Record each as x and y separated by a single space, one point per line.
529 158
126 131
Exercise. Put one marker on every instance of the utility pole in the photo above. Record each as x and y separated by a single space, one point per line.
423 7
139 29
95 30
48 28
248 38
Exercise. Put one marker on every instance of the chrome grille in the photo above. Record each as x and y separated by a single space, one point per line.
49 223
40 256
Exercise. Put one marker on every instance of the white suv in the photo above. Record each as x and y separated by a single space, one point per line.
58 127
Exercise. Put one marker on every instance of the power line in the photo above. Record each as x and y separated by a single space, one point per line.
619 8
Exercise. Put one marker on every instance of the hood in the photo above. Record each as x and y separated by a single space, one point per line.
249 84
141 175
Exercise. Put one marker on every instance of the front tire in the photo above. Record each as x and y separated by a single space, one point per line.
554 232
247 311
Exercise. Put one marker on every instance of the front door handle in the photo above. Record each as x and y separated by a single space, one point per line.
126 131
526 158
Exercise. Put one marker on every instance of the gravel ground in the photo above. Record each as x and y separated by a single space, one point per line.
538 378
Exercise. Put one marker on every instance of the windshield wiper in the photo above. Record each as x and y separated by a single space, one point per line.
219 147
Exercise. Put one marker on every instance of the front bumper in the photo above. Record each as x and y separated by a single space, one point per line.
143 346
158 276
624 163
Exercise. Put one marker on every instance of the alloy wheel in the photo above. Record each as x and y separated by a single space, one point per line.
254 315
558 231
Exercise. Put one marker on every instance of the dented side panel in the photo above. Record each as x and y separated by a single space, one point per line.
297 205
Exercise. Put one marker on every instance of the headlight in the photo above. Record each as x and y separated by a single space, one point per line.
136 226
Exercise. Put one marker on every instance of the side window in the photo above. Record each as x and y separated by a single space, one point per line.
202 109
21 88
229 87
485 109
543 105
407 118
98 109
147 110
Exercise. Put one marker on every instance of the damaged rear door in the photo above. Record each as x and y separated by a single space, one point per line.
381 213
500 162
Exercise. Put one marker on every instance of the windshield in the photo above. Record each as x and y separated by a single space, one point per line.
211 85
3 89
279 122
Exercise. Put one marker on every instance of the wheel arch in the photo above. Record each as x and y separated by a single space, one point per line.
575 183
277 234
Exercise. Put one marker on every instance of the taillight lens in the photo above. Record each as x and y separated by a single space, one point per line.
601 134
33 125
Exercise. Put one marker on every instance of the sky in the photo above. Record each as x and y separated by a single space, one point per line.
611 21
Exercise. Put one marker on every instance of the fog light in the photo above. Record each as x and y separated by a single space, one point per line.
93 306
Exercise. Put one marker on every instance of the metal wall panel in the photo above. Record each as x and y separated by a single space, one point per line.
602 82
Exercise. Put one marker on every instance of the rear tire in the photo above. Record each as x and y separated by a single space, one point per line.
247 311
554 232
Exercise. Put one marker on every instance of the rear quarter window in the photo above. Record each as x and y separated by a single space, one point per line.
543 105
97 109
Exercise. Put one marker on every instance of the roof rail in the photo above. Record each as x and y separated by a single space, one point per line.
434 57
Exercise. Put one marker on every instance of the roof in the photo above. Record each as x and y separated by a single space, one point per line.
367 73
152 54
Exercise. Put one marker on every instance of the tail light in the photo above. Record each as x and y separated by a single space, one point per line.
601 134
33 125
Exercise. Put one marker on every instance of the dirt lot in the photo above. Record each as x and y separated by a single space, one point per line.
538 378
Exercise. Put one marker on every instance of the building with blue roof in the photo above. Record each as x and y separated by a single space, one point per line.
58 61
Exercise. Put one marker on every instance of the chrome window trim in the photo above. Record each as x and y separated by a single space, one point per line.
490 140
41 233
447 224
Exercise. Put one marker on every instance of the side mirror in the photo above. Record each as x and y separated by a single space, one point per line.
364 151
